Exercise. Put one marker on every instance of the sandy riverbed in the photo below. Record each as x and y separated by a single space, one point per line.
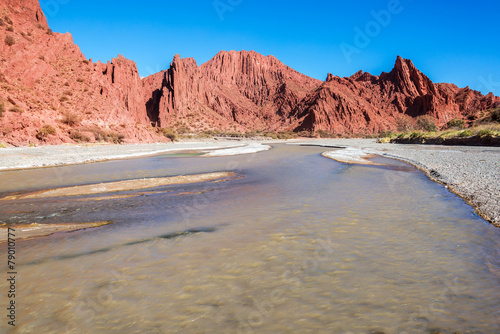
471 172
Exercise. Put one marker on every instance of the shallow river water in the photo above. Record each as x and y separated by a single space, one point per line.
295 243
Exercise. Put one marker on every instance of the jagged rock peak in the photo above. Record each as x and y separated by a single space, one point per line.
180 63
357 75
409 80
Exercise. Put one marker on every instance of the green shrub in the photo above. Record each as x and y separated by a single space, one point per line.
455 123
486 133
466 133
169 133
416 134
271 135
448 134
426 123
45 131
9 40
388 134
3 145
402 135
63 99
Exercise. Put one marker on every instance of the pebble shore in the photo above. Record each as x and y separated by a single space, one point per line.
472 172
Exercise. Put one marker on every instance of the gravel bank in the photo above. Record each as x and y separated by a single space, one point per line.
44 156
471 172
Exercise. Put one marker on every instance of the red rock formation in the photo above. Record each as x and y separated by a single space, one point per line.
46 80
44 77
234 90
367 104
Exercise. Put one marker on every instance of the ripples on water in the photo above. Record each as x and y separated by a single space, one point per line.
299 244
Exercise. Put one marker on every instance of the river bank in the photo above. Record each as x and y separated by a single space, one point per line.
70 154
471 172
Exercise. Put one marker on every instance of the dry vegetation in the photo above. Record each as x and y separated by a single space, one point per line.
16 109
79 137
484 131
108 136
9 40
2 107
70 119
45 131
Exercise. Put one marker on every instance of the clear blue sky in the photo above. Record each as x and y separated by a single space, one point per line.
450 41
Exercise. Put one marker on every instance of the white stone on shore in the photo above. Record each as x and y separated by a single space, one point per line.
247 149
350 155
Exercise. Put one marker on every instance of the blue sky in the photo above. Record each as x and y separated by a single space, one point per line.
450 41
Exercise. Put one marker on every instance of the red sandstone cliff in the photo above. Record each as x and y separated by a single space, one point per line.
44 77
364 103
233 91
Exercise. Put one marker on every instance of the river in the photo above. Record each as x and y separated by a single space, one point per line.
294 243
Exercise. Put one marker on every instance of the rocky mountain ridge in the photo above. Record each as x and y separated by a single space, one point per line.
51 94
